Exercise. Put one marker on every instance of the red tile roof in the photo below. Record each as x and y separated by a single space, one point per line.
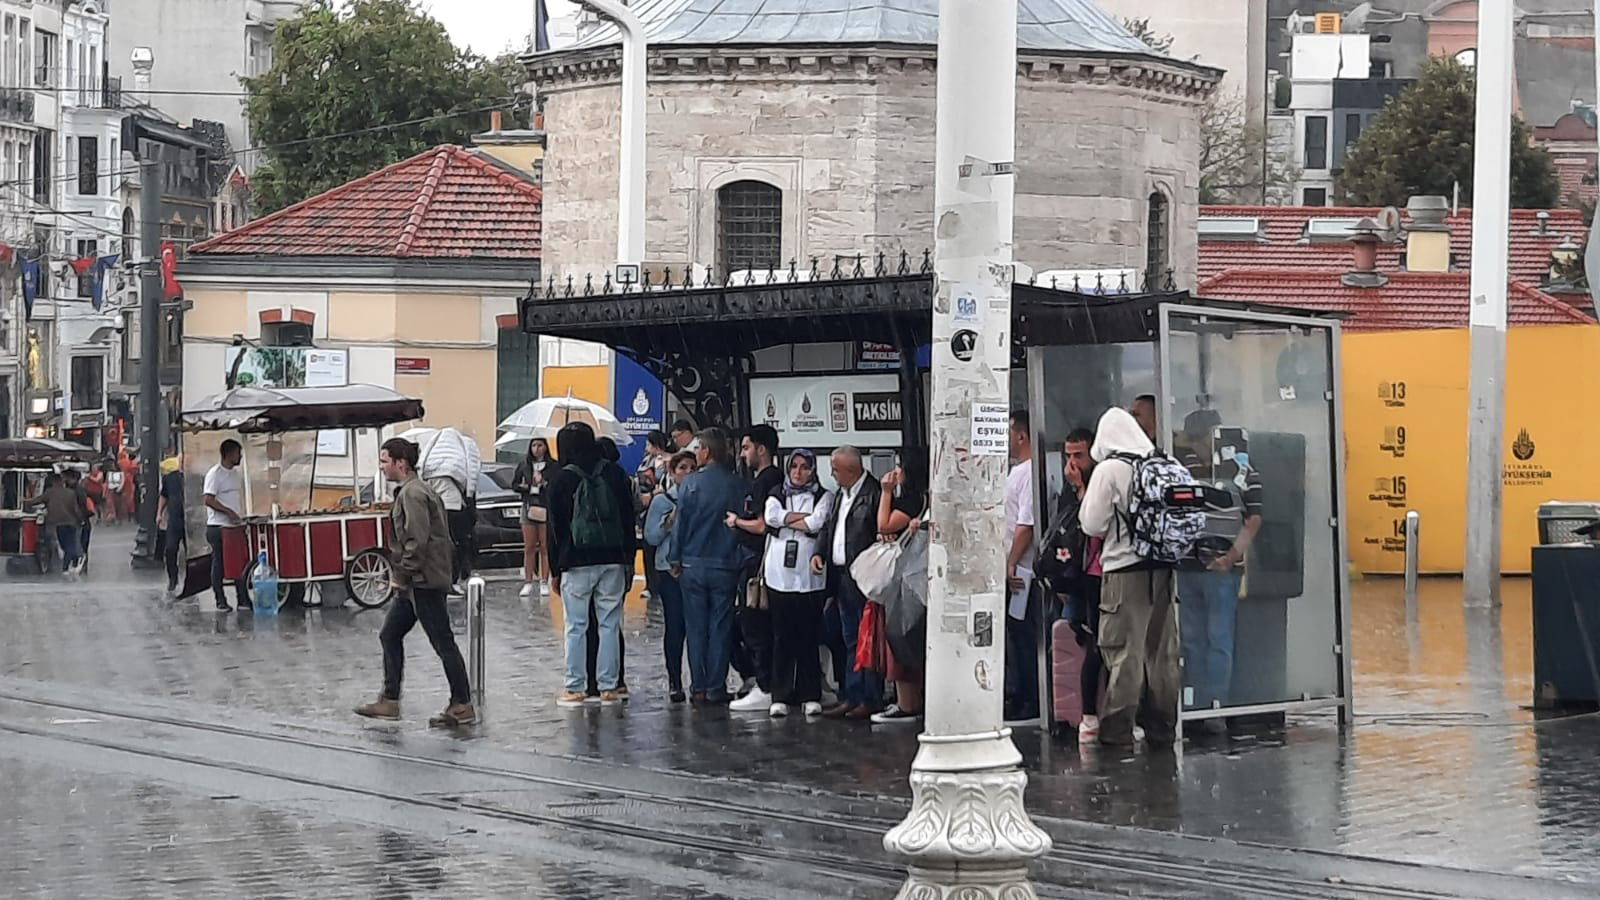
1410 300
1284 246
446 203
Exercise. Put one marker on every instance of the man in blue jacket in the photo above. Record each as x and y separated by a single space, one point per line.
706 558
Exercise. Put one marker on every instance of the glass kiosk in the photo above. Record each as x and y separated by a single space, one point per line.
1247 398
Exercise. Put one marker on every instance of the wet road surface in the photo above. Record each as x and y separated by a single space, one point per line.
162 749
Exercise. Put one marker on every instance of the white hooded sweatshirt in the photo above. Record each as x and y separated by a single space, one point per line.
1110 491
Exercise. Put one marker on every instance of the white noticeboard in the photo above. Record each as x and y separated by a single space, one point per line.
287 367
826 411
991 425
325 368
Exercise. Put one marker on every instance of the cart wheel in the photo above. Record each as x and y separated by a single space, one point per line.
369 578
288 594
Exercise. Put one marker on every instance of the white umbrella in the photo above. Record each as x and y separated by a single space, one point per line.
546 416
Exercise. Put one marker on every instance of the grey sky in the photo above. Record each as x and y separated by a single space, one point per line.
488 27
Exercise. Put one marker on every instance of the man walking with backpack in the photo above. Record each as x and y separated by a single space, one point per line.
1144 538
591 547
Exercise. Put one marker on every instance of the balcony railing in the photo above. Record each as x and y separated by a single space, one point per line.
16 105
110 94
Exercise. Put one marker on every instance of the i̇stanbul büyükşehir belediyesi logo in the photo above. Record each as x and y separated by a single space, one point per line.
1522 448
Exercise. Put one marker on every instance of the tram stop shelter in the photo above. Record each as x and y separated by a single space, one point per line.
841 358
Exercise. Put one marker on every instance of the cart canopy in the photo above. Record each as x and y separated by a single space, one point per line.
31 453
256 410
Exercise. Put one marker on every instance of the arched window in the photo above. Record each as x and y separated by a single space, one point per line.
749 227
1157 239
1468 57
127 233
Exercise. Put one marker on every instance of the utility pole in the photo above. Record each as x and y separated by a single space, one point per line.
144 545
630 161
1491 216
967 827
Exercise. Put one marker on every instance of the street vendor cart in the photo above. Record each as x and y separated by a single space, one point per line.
24 465
313 536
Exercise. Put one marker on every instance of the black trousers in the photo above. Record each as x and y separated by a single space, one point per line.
1022 660
214 539
796 630
752 636
424 606
462 522
172 546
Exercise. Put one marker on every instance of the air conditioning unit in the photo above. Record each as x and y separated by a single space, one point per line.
1328 23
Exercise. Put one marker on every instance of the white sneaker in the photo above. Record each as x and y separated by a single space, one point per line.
813 709
527 590
1138 735
1089 728
755 701
544 588
778 710
456 591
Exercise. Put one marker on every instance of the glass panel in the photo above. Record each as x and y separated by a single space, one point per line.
1248 413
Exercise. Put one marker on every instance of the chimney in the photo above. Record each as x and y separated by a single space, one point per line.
1566 269
1428 238
494 122
143 59
1542 218
1364 240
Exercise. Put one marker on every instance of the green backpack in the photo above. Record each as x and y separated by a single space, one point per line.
596 520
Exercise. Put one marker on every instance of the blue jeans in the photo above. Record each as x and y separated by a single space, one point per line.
861 688
1207 604
68 536
670 593
708 595
604 586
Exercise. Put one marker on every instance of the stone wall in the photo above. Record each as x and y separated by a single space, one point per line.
850 141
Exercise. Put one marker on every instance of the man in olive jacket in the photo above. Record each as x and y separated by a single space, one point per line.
421 557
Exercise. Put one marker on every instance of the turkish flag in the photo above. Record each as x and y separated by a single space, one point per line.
170 288
82 266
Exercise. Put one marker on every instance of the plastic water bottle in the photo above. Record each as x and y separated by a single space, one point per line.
264 587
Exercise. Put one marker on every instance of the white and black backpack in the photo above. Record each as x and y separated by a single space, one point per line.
1162 518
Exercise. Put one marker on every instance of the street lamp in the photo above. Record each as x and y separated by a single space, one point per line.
630 176
968 833
1491 216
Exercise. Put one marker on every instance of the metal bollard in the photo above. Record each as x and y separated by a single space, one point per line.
475 632
1412 525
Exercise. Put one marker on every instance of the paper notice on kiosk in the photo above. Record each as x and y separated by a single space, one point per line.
990 425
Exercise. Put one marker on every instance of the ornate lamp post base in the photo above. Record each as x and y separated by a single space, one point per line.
968 836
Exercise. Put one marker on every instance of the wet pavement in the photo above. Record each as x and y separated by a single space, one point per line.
124 716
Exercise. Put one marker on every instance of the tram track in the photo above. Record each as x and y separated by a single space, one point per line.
1212 877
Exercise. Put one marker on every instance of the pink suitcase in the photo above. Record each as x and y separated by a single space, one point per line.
1066 673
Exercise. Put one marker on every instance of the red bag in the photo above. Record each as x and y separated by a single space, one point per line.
872 641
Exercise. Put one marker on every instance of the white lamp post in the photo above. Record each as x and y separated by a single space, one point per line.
968 830
1491 215
630 174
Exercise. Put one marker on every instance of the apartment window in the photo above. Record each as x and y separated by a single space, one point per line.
44 154
24 46
93 75
88 383
9 65
1315 197
1157 238
749 227
83 74
44 58
1352 130
128 242
1316 155
89 250
88 165
71 81
21 174
10 160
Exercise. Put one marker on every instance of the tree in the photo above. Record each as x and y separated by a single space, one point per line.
1421 143
1141 29
356 86
1233 152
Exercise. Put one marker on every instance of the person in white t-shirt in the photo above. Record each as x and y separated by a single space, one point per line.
224 499
1022 663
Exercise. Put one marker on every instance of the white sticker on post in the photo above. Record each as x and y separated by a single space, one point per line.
991 423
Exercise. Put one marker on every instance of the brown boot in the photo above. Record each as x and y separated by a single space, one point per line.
381 708
454 716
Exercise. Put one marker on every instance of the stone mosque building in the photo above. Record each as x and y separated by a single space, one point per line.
783 130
